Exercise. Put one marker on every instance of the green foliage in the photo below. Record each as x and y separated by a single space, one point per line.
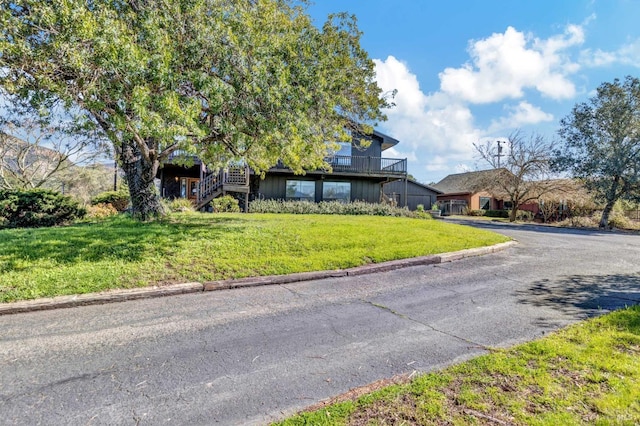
602 143
119 252
330 207
226 204
157 77
420 208
179 205
118 199
497 213
37 208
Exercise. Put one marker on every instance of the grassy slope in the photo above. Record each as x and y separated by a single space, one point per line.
586 374
121 253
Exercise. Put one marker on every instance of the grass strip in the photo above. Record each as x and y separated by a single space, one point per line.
123 253
588 373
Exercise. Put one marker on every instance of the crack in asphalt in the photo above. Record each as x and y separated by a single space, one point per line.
429 326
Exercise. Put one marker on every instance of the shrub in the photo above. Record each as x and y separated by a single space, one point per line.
497 213
620 221
579 222
225 204
524 215
420 208
100 211
36 208
330 207
469 212
118 199
180 205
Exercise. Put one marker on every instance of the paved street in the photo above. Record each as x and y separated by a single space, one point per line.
254 355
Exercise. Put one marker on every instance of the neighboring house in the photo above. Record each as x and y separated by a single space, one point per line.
466 190
358 174
416 194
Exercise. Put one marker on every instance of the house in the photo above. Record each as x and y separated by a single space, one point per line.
412 194
466 190
358 173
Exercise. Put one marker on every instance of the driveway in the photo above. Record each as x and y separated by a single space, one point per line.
250 356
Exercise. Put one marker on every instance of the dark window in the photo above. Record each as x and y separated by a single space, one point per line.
301 190
485 203
340 191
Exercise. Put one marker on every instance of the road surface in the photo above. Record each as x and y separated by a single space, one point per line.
251 356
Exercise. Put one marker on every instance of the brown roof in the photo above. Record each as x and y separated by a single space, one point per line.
469 182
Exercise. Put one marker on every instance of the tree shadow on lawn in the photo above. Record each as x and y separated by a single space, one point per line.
119 239
584 295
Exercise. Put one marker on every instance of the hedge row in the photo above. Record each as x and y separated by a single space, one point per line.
330 207
37 208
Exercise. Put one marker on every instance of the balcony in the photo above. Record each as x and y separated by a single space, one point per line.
347 164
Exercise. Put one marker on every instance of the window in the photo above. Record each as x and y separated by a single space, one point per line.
336 191
341 157
301 190
183 187
485 203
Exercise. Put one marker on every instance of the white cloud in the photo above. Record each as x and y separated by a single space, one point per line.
504 65
522 114
437 130
433 129
627 54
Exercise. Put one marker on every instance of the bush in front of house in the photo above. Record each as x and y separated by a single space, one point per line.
179 205
330 207
470 212
225 204
497 213
524 215
118 199
37 208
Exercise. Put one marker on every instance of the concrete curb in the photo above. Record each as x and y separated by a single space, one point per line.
113 296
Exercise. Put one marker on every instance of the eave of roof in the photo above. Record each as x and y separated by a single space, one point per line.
387 141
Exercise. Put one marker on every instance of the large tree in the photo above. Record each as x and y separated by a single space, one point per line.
223 79
602 143
522 173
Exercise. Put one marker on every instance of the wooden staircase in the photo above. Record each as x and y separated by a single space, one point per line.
231 179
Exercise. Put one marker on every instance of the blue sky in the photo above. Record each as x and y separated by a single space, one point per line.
468 71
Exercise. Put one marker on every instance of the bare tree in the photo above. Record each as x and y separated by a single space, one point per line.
34 155
523 172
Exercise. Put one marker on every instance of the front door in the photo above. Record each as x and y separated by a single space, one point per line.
192 187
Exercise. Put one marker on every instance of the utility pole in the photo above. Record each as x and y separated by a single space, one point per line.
499 154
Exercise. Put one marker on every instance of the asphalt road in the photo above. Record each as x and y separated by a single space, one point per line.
254 355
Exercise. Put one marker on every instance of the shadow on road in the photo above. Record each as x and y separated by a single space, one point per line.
584 295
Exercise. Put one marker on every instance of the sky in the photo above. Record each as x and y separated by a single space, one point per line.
470 71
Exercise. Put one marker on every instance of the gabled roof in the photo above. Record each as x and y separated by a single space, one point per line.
467 183
422 185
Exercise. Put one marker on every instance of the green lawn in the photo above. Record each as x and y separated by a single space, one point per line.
122 253
586 374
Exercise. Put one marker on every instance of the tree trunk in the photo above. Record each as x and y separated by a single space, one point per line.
611 200
512 214
604 220
140 173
